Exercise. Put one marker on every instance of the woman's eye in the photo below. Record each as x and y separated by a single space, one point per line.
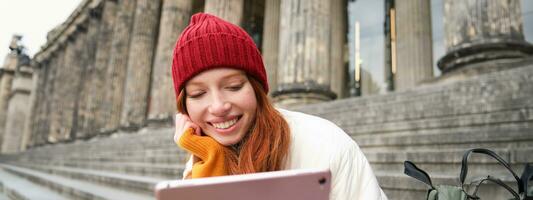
195 95
235 87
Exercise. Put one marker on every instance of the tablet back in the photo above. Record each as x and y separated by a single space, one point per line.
302 184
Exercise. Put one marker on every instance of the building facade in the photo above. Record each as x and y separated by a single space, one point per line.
107 68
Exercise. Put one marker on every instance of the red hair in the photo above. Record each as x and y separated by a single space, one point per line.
265 147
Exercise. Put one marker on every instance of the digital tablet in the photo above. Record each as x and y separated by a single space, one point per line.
301 184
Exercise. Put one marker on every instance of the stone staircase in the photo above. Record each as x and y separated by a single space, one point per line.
434 124
431 125
124 166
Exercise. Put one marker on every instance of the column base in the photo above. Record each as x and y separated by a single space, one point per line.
482 51
309 92
131 126
161 120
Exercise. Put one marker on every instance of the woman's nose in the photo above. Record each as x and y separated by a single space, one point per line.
219 106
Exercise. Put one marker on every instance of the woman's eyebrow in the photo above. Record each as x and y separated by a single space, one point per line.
233 79
223 78
193 83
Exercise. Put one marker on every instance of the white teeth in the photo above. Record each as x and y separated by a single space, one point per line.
226 124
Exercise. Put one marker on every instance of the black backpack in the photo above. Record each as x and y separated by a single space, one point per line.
446 192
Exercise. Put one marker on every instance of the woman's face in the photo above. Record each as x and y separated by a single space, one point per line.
222 102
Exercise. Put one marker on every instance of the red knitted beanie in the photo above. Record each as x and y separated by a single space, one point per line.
210 42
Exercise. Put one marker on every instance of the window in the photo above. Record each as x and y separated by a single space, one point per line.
368 47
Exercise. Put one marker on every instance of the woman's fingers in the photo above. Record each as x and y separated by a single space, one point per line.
183 122
196 128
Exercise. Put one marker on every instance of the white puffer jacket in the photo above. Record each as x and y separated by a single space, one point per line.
318 143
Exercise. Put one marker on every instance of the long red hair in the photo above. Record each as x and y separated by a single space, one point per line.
266 146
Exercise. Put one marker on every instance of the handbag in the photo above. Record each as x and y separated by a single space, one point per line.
448 192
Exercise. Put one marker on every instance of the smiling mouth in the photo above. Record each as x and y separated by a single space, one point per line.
226 124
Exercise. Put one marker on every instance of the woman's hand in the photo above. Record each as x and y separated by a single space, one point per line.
183 122
207 154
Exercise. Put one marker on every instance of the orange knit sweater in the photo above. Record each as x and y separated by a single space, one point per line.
208 150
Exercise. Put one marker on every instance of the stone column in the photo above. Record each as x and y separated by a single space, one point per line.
481 30
47 117
34 105
414 44
230 10
175 15
7 74
304 69
63 125
47 113
38 135
77 79
86 64
118 63
338 38
137 88
271 41
17 110
56 109
101 35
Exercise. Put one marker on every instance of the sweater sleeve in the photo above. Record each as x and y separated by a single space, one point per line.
353 177
210 153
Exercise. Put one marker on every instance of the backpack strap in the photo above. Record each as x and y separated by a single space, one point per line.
497 181
526 175
412 170
464 166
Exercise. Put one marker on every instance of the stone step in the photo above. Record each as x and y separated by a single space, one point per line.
111 151
117 151
476 89
483 96
167 171
453 102
481 119
152 143
123 181
15 187
84 146
493 136
475 170
155 159
145 138
443 156
449 161
75 189
110 154
158 159
424 107
365 116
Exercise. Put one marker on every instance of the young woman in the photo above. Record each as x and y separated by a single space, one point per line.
229 126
